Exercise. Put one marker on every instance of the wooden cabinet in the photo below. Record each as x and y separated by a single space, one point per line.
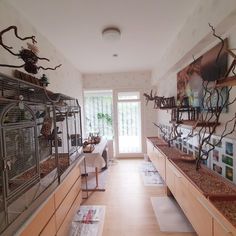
66 185
160 163
40 218
189 199
55 215
65 227
157 158
198 214
66 204
203 215
150 149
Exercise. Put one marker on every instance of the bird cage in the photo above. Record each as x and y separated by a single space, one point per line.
19 148
40 138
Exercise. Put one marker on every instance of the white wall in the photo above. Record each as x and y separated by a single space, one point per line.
66 79
128 80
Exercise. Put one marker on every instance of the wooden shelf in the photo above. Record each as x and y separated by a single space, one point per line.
193 123
166 108
229 81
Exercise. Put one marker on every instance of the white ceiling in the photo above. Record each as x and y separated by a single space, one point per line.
74 27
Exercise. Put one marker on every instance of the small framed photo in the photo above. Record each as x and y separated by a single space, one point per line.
215 155
229 150
229 173
185 150
217 168
190 152
180 146
227 160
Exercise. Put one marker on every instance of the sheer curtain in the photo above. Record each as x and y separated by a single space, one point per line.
98 113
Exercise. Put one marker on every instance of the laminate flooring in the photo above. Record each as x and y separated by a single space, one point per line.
129 209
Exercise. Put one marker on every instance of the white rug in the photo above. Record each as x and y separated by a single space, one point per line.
150 175
170 216
88 221
147 166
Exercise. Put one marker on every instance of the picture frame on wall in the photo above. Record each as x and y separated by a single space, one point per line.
205 68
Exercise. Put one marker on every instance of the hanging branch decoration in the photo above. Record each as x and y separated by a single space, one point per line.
29 55
214 104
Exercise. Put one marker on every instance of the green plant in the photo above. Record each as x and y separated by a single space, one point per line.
105 117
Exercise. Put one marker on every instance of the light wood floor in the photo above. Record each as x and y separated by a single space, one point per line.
128 206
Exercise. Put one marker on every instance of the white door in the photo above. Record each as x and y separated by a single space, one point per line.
128 123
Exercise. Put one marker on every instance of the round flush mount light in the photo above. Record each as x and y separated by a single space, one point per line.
111 34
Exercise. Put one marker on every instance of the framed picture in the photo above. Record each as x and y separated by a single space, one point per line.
217 168
229 148
190 152
229 173
205 68
227 160
215 155
185 150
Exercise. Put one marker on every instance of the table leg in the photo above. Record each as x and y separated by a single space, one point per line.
96 171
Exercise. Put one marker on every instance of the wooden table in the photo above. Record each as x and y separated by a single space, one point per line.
95 160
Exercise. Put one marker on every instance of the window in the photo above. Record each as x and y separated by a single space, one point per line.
128 95
98 113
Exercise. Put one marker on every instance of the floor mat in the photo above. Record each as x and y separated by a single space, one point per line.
88 221
150 175
170 216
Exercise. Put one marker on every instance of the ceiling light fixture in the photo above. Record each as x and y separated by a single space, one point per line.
111 34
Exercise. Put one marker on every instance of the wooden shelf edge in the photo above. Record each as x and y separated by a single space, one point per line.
193 123
229 81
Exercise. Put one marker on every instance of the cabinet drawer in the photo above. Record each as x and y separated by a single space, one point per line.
65 227
50 228
199 215
41 219
65 206
66 185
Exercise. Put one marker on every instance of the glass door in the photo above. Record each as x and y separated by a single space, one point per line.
128 128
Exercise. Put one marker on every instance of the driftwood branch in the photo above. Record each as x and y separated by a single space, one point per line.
162 130
14 28
12 66
211 115
29 56
49 68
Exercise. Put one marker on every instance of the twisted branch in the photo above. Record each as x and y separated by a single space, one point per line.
49 68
